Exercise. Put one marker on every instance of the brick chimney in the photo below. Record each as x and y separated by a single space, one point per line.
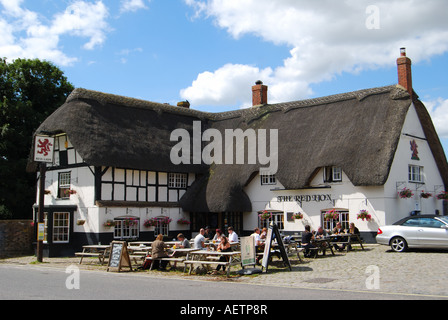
404 71
259 94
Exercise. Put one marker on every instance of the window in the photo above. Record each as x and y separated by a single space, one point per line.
177 180
423 223
331 224
126 228
415 174
61 227
268 179
162 226
64 185
332 174
277 218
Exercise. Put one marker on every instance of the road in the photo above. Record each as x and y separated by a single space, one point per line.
38 282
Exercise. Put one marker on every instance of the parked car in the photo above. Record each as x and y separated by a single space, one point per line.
423 231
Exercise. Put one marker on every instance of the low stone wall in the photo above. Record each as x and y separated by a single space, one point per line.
16 238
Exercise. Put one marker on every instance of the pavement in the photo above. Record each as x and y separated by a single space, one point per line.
376 269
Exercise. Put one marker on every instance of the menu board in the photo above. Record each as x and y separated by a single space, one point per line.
119 256
247 251
273 232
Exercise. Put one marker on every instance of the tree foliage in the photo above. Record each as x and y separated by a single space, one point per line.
30 90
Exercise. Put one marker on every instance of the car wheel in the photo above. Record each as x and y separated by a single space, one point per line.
398 244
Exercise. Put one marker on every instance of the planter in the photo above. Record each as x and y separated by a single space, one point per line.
109 224
364 215
442 195
297 216
425 195
264 215
405 193
80 222
331 215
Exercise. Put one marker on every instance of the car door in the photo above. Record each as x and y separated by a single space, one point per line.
409 231
432 233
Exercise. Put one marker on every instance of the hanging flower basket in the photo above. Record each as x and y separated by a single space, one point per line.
69 192
80 222
183 221
364 215
297 216
442 195
331 215
405 193
425 195
149 223
264 215
130 222
109 224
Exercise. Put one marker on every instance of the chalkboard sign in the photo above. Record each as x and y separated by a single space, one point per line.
119 256
273 231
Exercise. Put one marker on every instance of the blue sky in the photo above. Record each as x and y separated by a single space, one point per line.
211 52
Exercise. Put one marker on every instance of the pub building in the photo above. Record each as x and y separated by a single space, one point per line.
113 176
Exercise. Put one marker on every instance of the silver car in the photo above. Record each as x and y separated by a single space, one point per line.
423 231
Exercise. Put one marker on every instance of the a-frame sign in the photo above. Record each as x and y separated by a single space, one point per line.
273 232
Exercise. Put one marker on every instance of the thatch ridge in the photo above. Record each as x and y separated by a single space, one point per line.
358 131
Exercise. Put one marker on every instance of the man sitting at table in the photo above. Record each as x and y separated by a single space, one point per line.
339 230
184 243
199 240
259 246
307 238
233 237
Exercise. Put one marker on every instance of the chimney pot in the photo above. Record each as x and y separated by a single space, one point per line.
403 52
259 94
184 104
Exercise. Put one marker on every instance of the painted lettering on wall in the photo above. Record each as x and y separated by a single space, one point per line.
307 198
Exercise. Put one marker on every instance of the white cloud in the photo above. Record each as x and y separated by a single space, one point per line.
438 109
23 35
327 38
132 5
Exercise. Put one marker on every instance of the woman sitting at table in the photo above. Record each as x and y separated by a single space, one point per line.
338 230
307 238
158 251
223 246
353 230
218 235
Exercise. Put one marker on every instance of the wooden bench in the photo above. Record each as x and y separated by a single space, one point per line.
215 263
175 260
90 254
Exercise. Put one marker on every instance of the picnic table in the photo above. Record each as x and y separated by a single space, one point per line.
94 250
208 258
346 239
178 255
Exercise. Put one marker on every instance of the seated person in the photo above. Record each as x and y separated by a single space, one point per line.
307 238
158 251
184 243
199 240
223 246
320 233
339 230
259 245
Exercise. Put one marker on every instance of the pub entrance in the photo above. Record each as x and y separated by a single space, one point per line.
217 220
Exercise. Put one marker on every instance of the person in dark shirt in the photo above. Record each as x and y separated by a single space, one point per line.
307 238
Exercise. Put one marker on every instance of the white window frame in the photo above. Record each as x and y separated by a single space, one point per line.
336 173
64 182
122 231
162 228
331 224
268 179
61 227
277 218
177 180
415 173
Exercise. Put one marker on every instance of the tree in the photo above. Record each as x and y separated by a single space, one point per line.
30 90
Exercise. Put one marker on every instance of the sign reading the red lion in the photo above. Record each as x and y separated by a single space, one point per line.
43 149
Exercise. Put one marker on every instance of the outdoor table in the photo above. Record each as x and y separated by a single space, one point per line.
322 244
93 250
201 257
350 238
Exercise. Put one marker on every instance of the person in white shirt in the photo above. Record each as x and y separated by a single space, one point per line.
199 240
233 237
258 243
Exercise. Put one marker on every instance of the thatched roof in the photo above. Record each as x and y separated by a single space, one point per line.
357 131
